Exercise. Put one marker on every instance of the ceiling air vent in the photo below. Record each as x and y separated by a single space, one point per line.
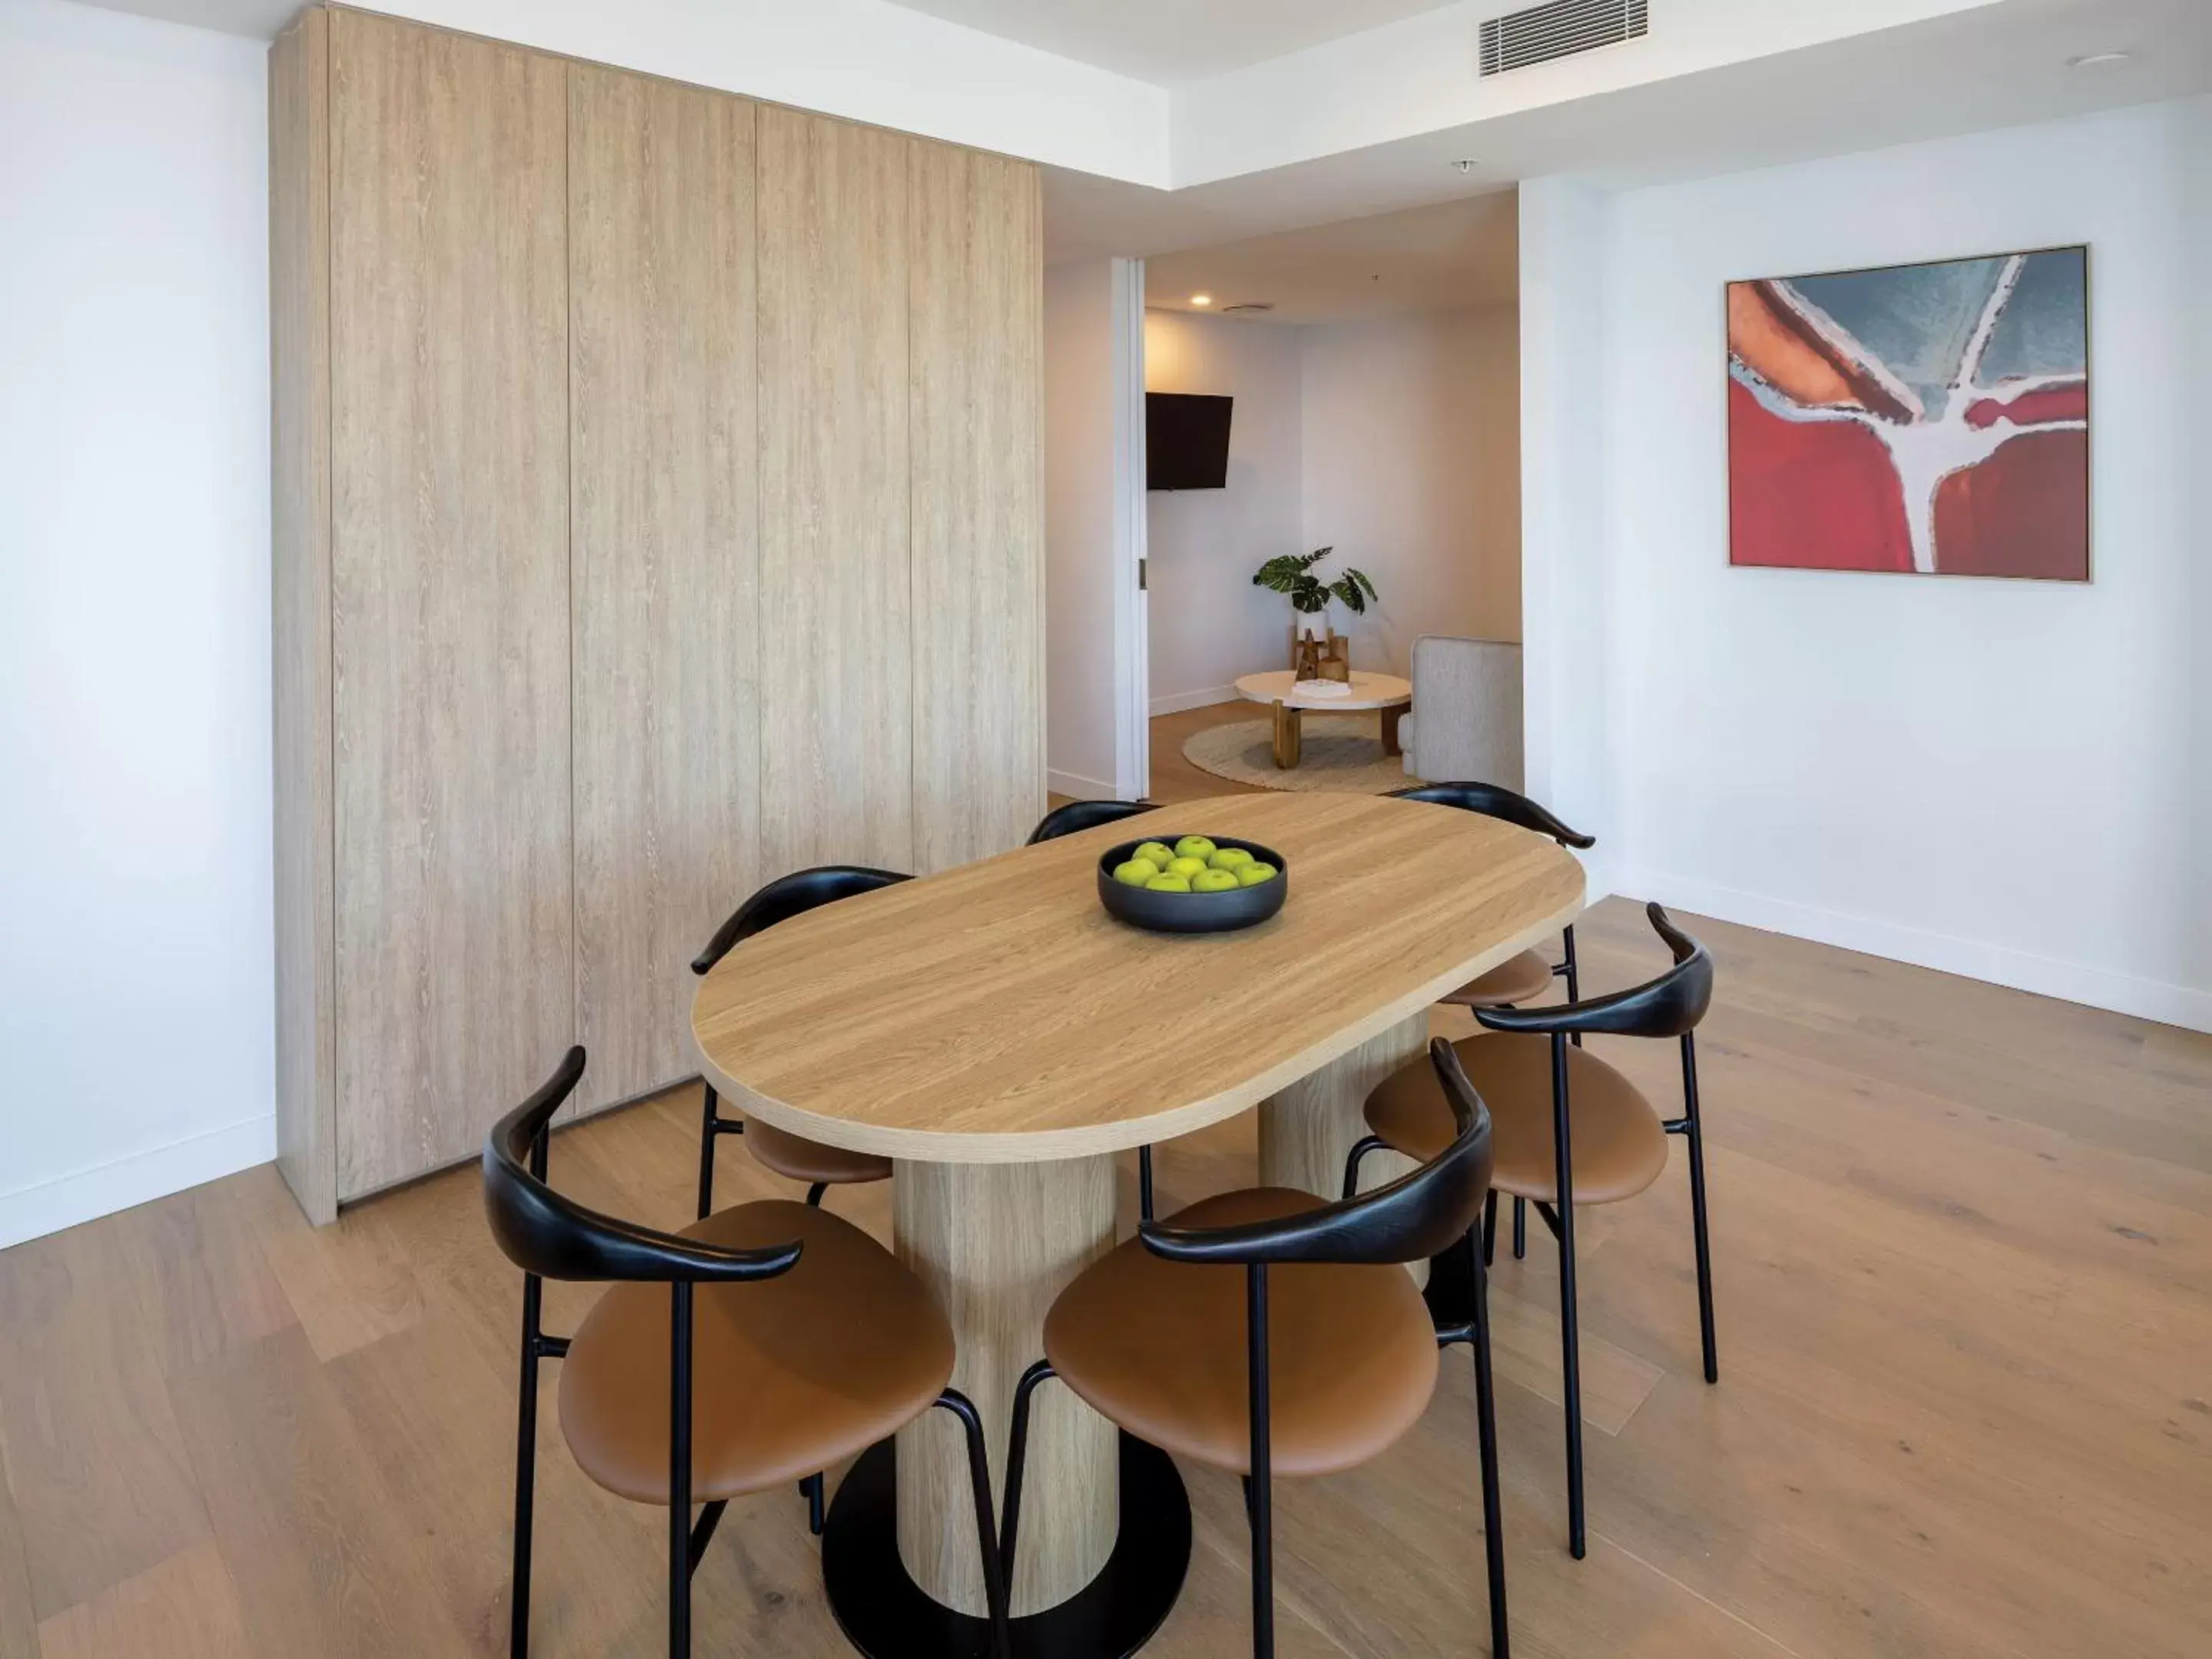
1540 33
1248 308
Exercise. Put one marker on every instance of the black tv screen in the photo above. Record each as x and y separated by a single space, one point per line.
1186 442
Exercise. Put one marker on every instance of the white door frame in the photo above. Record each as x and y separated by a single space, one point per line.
1132 696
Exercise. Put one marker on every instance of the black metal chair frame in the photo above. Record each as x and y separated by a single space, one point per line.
1494 800
551 1236
1425 1213
780 901
1670 1006
1072 819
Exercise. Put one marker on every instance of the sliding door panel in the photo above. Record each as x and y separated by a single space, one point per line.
976 386
835 607
665 534
449 369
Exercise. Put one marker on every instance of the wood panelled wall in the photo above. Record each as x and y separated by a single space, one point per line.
657 510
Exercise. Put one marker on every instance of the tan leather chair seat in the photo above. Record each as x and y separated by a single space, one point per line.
790 1375
801 1159
1524 978
1158 1347
1619 1144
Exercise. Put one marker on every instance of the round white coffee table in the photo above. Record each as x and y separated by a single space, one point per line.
1385 692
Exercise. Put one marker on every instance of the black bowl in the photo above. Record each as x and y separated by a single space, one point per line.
1192 913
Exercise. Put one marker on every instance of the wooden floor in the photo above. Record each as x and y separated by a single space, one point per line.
1964 1255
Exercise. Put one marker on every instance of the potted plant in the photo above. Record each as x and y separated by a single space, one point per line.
1291 574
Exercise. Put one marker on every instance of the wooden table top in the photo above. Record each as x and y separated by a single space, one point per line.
996 1014
1368 690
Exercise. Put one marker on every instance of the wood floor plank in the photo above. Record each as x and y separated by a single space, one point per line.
184 1608
350 1283
19 1627
103 1489
324 1561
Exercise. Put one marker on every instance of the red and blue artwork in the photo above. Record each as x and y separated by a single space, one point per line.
1927 418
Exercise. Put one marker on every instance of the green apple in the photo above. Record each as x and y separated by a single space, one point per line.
1157 852
1230 858
1253 874
1169 884
1136 872
1194 846
1214 881
1185 866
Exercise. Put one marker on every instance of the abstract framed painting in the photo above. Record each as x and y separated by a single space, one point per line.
1930 418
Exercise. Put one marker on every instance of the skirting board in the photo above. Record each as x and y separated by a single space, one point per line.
2022 970
137 1178
1076 786
1175 702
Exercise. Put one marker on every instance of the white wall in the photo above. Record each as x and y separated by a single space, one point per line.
1209 623
1412 472
137 1045
2001 779
1080 552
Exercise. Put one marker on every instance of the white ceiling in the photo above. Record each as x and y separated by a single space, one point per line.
1464 252
1172 41
2002 66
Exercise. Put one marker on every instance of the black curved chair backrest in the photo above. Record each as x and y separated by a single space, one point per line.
787 897
543 1232
1668 1006
1420 1215
1496 801
1080 815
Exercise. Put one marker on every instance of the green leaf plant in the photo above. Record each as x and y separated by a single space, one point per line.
1292 575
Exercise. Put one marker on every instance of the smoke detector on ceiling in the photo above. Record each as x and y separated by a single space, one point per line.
1540 34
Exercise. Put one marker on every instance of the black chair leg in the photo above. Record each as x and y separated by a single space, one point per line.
525 1472
1486 1412
1144 1182
995 1565
814 1193
810 1490
1696 1138
1490 1228
703 1533
1360 1148
1573 970
679 1471
1520 1229
1017 1452
1570 1337
707 1135
1261 1484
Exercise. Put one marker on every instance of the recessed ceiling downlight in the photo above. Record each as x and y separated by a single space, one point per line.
2098 59
1202 300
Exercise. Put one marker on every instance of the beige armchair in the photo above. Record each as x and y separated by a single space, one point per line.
1465 724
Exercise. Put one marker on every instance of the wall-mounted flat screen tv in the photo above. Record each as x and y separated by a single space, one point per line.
1186 442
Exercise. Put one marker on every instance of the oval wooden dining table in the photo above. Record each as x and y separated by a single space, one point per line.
1000 1037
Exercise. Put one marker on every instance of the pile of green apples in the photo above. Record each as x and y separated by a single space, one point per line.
1193 865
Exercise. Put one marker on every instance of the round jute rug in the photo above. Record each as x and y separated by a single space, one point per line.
1343 752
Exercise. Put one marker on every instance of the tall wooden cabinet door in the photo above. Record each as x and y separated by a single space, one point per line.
977 262
835 609
664 556
449 443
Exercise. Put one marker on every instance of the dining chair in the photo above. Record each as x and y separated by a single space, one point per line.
1315 1357
1571 1130
1072 819
768 1340
820 1166
1520 978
